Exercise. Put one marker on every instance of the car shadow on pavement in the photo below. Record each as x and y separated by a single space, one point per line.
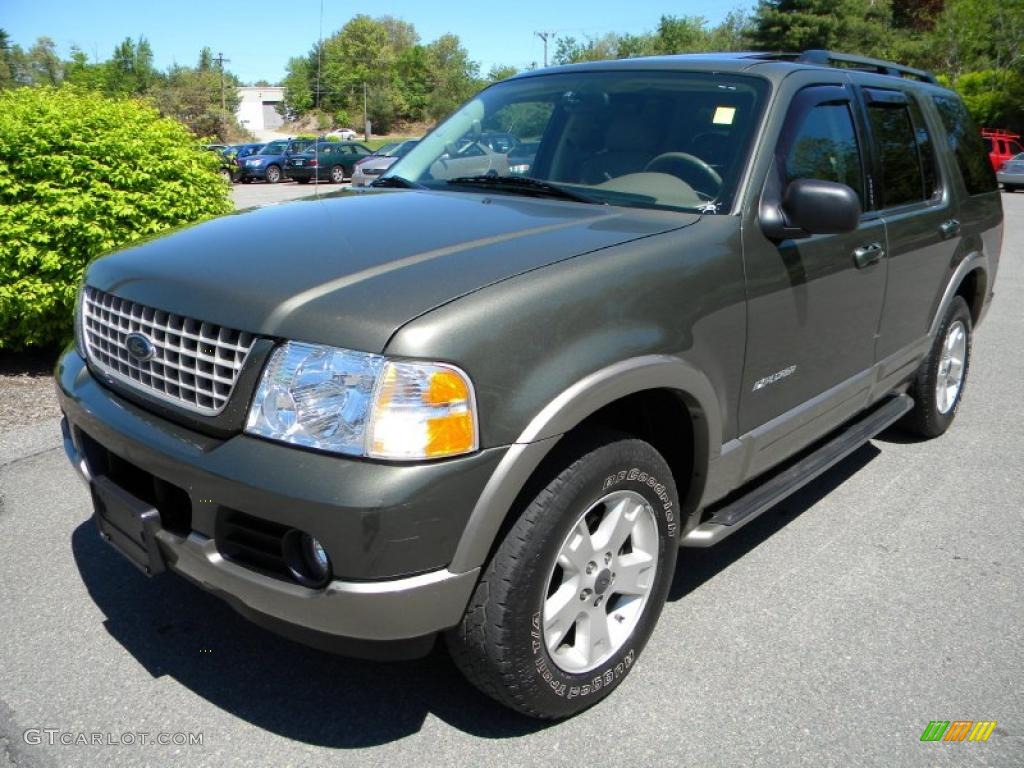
696 566
175 629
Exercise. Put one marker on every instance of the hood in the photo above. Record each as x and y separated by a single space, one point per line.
351 269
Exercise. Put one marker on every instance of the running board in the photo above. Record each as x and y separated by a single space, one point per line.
735 514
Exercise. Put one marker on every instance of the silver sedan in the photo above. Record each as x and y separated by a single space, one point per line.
1011 173
368 169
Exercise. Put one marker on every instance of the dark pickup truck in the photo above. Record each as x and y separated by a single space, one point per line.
496 408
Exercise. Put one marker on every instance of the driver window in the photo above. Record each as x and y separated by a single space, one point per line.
826 148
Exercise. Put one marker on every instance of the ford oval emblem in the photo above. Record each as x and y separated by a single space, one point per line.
139 347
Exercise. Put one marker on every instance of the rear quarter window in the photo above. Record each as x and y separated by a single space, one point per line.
965 141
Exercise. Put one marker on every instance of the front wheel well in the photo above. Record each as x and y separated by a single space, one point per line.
657 416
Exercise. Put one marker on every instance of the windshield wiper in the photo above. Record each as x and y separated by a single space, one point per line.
523 184
397 182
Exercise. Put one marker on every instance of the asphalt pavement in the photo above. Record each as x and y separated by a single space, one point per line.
259 193
887 594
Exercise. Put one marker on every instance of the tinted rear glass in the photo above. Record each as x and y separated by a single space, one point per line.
966 143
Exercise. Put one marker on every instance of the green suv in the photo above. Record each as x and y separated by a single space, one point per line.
496 408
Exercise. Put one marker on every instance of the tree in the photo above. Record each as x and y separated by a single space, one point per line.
994 97
682 34
500 72
42 65
83 174
130 70
192 96
453 76
7 61
858 26
569 50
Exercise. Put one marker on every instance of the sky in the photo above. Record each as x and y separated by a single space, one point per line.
259 36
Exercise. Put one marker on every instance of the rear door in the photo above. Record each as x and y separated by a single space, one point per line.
919 210
813 303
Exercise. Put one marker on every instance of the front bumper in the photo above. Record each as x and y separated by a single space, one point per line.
255 171
389 529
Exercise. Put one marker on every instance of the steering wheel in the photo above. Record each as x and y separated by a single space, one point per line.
702 177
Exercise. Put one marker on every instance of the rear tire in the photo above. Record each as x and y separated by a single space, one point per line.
938 387
273 174
571 596
337 174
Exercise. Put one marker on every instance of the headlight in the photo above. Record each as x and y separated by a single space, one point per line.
364 405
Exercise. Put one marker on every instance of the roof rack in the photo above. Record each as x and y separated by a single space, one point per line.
828 58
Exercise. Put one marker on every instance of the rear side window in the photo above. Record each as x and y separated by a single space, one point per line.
966 144
826 148
907 162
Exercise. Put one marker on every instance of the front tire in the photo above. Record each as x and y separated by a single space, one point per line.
939 384
337 174
572 594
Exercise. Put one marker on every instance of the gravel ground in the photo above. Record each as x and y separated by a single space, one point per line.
26 389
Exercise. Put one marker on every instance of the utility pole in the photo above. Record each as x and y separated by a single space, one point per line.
545 36
221 60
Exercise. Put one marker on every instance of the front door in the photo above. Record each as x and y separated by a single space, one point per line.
813 303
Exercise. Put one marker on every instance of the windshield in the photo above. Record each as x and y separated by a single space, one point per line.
674 140
274 148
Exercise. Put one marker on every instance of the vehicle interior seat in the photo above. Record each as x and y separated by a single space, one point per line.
630 143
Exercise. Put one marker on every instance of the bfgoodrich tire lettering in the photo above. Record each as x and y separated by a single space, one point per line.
932 415
500 644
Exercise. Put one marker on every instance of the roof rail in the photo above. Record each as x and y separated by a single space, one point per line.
823 58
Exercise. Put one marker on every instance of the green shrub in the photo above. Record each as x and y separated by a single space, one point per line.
80 175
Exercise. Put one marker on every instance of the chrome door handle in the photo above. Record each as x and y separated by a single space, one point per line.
868 254
950 228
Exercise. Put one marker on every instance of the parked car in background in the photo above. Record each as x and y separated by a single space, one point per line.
268 163
369 168
241 152
228 169
1002 145
500 142
520 159
469 157
325 161
1011 173
346 134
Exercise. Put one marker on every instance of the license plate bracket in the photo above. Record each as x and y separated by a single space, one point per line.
128 524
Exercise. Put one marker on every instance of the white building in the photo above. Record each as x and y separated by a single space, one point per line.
257 107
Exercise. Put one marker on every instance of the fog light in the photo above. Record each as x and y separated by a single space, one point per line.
317 556
307 559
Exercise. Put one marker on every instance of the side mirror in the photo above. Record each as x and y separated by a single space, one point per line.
811 207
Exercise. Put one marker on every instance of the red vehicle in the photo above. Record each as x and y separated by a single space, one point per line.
1001 145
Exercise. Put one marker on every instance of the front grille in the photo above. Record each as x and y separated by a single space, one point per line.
194 364
373 171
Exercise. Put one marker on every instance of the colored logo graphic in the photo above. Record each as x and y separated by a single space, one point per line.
958 730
